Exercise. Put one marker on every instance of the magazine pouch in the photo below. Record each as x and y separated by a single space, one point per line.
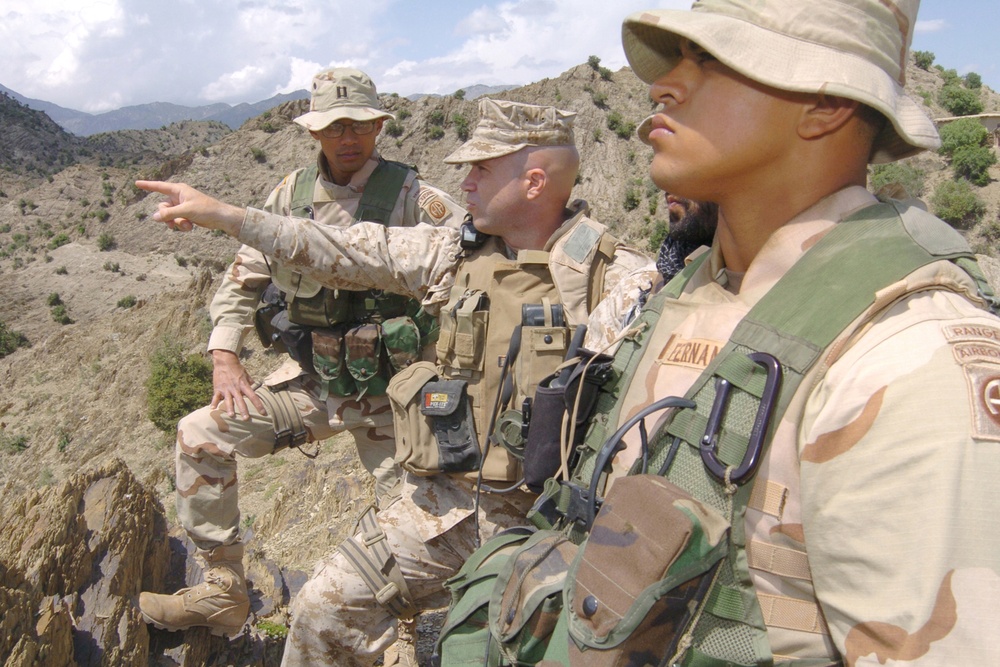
663 547
328 360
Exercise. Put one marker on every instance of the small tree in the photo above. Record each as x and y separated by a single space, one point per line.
960 101
594 62
459 94
10 340
956 203
106 242
973 163
924 59
961 133
973 81
177 385
911 178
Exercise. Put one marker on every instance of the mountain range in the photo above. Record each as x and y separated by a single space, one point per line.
159 114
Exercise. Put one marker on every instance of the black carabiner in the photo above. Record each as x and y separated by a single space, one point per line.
755 444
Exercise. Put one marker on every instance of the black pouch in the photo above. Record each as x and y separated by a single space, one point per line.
296 339
446 402
555 397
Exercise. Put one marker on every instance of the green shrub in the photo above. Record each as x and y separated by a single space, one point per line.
61 315
54 299
656 236
624 129
272 629
631 199
960 133
956 203
461 124
393 128
102 215
924 59
973 163
106 242
12 444
11 340
436 117
594 62
127 301
61 271
435 132
459 94
599 99
113 267
973 81
960 101
605 73
177 385
403 114
911 178
58 240
258 154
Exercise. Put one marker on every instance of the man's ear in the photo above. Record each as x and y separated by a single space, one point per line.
314 134
536 180
826 114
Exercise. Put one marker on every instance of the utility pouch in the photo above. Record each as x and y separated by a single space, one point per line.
401 338
528 596
464 321
295 339
643 573
323 309
364 359
557 395
328 360
446 402
416 443
270 305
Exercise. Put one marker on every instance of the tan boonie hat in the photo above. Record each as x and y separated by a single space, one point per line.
341 93
849 48
507 127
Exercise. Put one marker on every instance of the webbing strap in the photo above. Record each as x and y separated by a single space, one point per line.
783 561
792 614
302 193
289 427
368 552
769 498
382 191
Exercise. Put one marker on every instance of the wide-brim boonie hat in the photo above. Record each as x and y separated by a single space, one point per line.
507 127
341 93
849 48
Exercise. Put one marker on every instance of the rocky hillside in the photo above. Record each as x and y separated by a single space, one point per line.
96 289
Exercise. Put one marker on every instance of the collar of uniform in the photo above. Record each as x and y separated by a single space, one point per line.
356 186
790 241
576 210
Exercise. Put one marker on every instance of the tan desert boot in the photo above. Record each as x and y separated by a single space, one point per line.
404 652
220 603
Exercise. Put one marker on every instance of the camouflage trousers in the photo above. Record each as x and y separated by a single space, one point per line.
208 442
431 530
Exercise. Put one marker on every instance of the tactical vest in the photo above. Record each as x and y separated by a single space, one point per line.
506 327
700 609
353 340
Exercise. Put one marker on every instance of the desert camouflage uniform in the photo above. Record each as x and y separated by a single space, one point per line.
431 528
208 440
872 531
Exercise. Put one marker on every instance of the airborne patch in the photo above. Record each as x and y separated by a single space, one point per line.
689 352
984 390
431 203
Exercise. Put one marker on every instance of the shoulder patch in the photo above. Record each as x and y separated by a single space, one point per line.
582 242
972 332
431 203
984 395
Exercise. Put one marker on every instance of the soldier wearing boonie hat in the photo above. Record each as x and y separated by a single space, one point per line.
865 533
296 404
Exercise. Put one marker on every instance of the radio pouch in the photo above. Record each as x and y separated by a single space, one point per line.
446 402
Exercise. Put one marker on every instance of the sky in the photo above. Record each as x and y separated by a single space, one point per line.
99 55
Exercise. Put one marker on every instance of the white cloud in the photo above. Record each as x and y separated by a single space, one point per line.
936 25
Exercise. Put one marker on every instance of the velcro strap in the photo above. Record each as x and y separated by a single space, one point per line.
792 614
368 552
778 560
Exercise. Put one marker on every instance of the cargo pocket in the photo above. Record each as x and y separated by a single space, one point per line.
645 568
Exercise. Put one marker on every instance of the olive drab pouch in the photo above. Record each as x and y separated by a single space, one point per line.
328 360
528 596
446 403
364 359
663 548
416 444
464 639
326 307
401 337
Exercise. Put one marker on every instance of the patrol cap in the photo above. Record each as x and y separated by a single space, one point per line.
340 93
507 127
849 48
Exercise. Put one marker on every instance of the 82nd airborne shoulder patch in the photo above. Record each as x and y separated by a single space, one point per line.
977 349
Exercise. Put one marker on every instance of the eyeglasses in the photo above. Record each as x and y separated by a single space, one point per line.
359 127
